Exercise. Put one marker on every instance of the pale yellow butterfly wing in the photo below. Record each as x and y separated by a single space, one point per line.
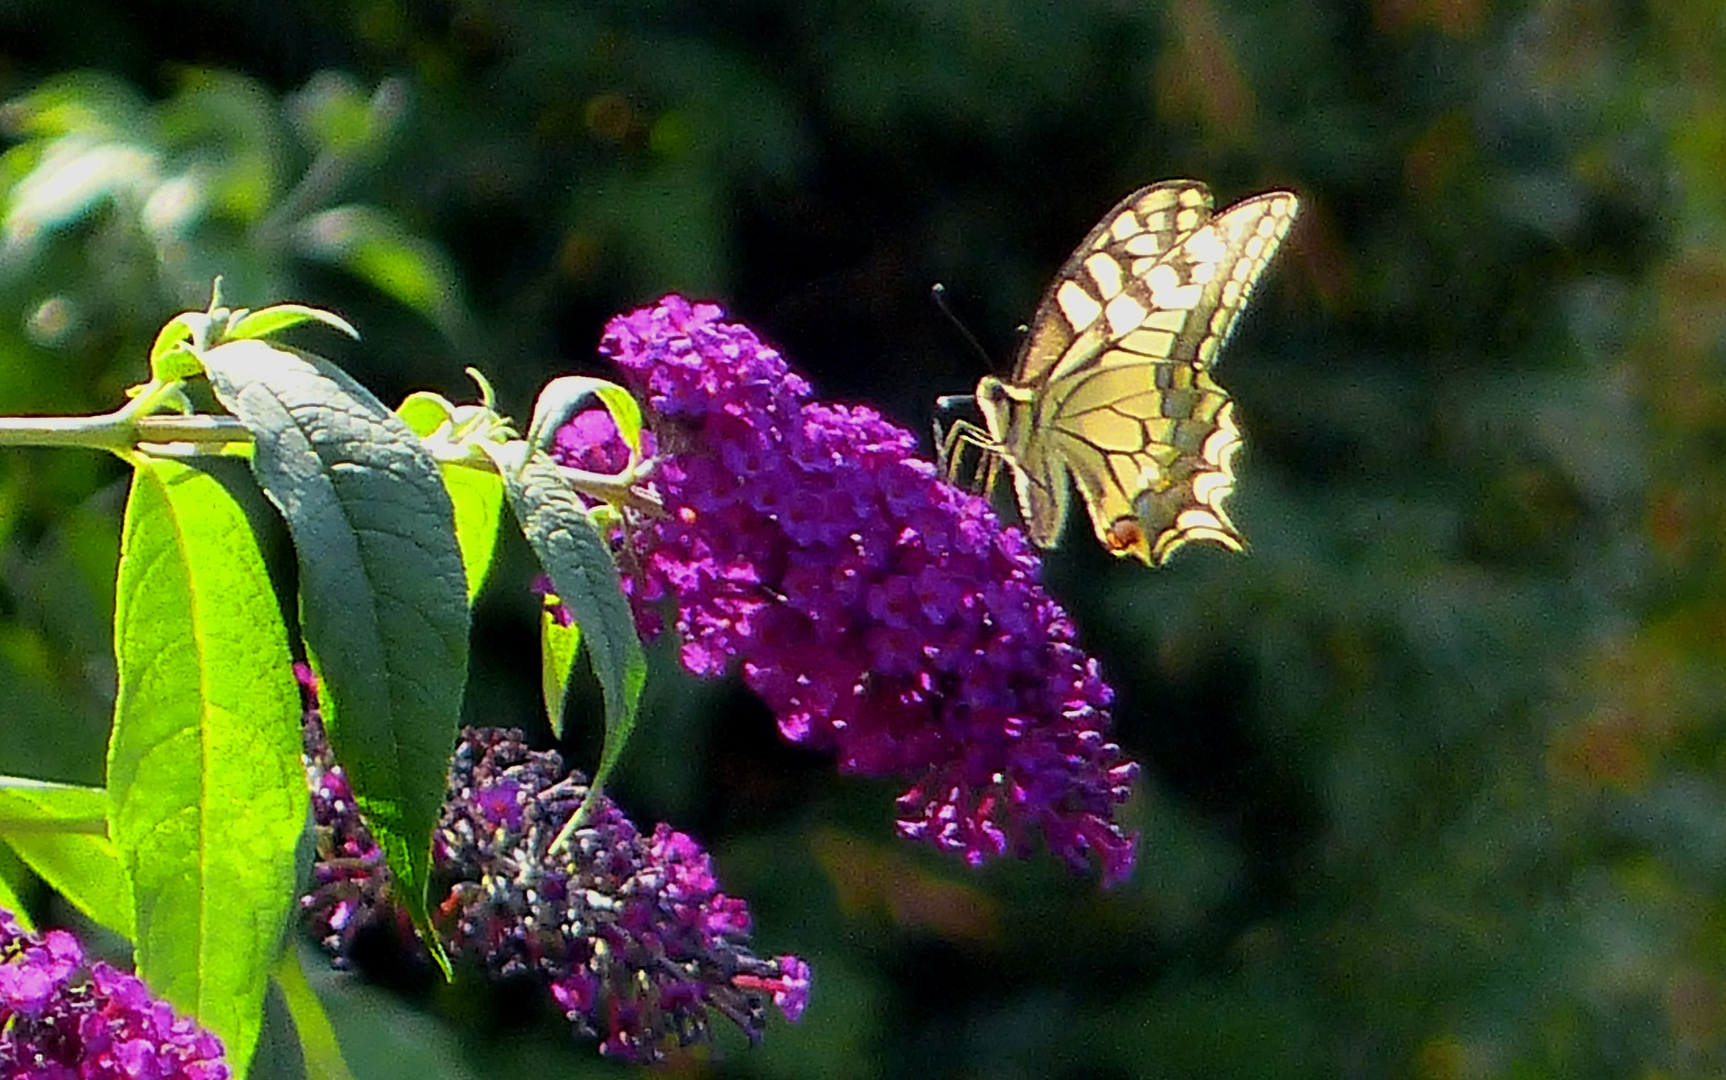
1143 225
1113 387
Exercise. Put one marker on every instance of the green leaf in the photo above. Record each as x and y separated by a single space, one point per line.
383 1035
451 433
89 103
61 833
383 594
169 360
424 412
477 496
273 320
72 178
207 795
334 114
279 1055
563 396
13 876
582 572
28 805
323 1055
558 645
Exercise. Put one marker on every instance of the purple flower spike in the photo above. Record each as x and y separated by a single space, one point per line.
62 1021
631 932
879 611
628 932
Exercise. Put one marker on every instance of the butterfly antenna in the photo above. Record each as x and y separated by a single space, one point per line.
938 293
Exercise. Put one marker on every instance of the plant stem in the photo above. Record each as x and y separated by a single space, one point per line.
118 431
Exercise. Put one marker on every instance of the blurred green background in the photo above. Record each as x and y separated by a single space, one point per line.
1436 783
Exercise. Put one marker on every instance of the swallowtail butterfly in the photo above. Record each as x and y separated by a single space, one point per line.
1113 385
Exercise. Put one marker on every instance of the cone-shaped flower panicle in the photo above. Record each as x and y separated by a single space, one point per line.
881 613
629 931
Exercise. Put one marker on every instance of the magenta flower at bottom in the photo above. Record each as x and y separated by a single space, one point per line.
880 612
61 1020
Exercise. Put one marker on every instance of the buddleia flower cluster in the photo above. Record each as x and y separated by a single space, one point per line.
879 611
63 1019
628 931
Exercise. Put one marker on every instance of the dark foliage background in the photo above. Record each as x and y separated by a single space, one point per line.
1436 779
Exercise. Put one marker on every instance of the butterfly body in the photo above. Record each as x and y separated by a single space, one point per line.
1112 390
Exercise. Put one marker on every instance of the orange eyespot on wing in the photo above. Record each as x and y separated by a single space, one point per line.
1127 537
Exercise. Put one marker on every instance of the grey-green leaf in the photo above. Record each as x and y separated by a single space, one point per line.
383 594
578 559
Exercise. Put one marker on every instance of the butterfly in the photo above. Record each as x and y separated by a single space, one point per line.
1112 385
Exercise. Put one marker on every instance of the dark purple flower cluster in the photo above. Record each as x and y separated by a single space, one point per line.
349 874
879 611
630 932
61 1021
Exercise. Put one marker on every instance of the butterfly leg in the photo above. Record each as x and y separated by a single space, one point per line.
950 448
946 440
952 454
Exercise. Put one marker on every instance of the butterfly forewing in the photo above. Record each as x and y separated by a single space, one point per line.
1113 385
1143 225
